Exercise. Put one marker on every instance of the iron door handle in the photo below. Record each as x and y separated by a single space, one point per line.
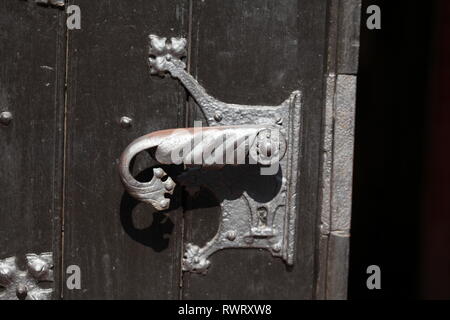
205 147
267 136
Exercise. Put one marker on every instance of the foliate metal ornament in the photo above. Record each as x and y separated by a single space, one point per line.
163 51
258 209
16 284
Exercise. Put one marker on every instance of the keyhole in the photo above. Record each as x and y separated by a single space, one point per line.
262 214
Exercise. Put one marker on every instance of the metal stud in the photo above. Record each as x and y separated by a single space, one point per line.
126 122
231 235
218 116
6 118
278 119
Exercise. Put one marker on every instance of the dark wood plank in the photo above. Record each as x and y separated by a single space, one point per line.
258 52
32 89
124 250
348 34
337 148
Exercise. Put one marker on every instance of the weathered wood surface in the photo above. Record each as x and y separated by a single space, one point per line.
337 148
32 89
348 24
123 249
248 52
258 52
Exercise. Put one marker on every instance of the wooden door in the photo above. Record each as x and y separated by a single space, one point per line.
79 97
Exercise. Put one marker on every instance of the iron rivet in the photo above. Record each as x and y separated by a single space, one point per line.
126 122
6 118
231 235
218 117
279 119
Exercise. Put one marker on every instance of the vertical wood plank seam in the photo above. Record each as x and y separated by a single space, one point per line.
333 231
58 181
332 72
327 149
187 116
63 200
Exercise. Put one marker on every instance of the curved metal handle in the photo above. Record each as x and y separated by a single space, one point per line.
152 192
210 147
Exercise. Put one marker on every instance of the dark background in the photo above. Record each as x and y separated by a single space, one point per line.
401 205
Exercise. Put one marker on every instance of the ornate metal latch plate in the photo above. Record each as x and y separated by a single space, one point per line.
264 143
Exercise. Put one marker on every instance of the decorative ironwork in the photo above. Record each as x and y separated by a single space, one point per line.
16 284
248 221
56 3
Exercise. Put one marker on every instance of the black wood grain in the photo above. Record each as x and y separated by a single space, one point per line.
348 33
258 52
32 89
124 249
